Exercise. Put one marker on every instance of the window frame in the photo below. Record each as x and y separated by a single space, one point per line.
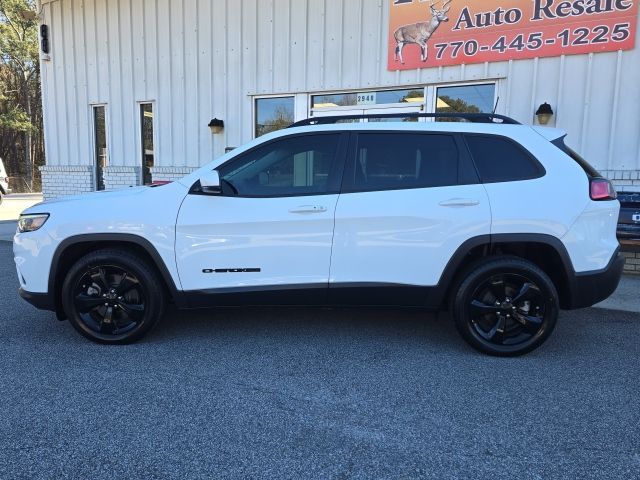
542 172
94 143
335 174
254 109
463 160
431 96
139 104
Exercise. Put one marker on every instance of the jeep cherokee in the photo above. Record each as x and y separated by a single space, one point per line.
500 222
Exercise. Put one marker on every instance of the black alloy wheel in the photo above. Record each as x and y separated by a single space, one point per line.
506 307
109 300
112 297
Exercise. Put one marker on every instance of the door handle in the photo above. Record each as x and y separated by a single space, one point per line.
460 202
308 209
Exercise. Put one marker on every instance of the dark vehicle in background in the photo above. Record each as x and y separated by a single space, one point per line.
629 221
4 182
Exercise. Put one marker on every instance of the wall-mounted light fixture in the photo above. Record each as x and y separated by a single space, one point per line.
544 113
44 42
216 126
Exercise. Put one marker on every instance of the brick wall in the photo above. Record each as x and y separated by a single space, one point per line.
121 177
170 174
624 180
632 264
61 181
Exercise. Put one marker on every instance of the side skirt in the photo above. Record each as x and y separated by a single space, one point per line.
350 294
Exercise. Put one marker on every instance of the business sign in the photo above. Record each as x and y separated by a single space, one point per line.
451 32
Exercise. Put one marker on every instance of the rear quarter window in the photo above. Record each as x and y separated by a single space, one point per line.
499 159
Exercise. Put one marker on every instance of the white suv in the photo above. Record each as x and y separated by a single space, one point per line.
500 222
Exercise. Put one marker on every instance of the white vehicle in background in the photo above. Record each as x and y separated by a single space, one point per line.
499 222
4 182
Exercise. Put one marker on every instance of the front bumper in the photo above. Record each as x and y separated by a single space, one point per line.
589 288
42 301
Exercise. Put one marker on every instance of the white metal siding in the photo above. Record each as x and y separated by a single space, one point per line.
199 59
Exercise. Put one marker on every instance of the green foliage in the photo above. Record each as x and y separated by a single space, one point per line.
457 105
19 35
21 141
15 119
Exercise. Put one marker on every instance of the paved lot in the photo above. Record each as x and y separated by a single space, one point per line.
301 393
7 230
13 205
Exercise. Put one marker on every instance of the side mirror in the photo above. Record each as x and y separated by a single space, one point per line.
210 183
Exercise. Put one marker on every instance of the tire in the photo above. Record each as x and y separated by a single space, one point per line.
113 297
505 306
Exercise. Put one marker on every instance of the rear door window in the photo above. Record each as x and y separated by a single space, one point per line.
394 161
499 159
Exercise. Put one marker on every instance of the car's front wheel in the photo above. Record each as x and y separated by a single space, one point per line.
112 297
505 306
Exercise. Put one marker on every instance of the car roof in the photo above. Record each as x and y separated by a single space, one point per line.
456 127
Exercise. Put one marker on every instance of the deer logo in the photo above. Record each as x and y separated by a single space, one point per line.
420 33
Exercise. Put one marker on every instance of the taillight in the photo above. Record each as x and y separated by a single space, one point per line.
602 189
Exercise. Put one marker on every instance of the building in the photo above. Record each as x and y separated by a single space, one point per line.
130 87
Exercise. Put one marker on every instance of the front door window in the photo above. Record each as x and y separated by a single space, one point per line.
299 165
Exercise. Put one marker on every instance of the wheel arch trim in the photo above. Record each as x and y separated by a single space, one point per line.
456 262
137 240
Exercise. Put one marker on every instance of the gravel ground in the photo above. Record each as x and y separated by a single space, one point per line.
309 393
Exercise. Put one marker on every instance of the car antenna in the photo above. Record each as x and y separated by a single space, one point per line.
496 107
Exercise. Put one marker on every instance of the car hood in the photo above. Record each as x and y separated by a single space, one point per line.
90 197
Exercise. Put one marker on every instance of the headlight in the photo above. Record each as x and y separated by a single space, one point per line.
31 223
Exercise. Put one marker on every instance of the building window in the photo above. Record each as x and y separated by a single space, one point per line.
273 114
146 132
100 141
466 99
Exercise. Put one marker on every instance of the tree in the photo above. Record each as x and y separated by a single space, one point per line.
20 108
281 118
457 105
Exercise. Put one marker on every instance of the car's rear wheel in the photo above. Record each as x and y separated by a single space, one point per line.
112 297
505 306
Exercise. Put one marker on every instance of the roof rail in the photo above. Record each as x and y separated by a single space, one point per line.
470 117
